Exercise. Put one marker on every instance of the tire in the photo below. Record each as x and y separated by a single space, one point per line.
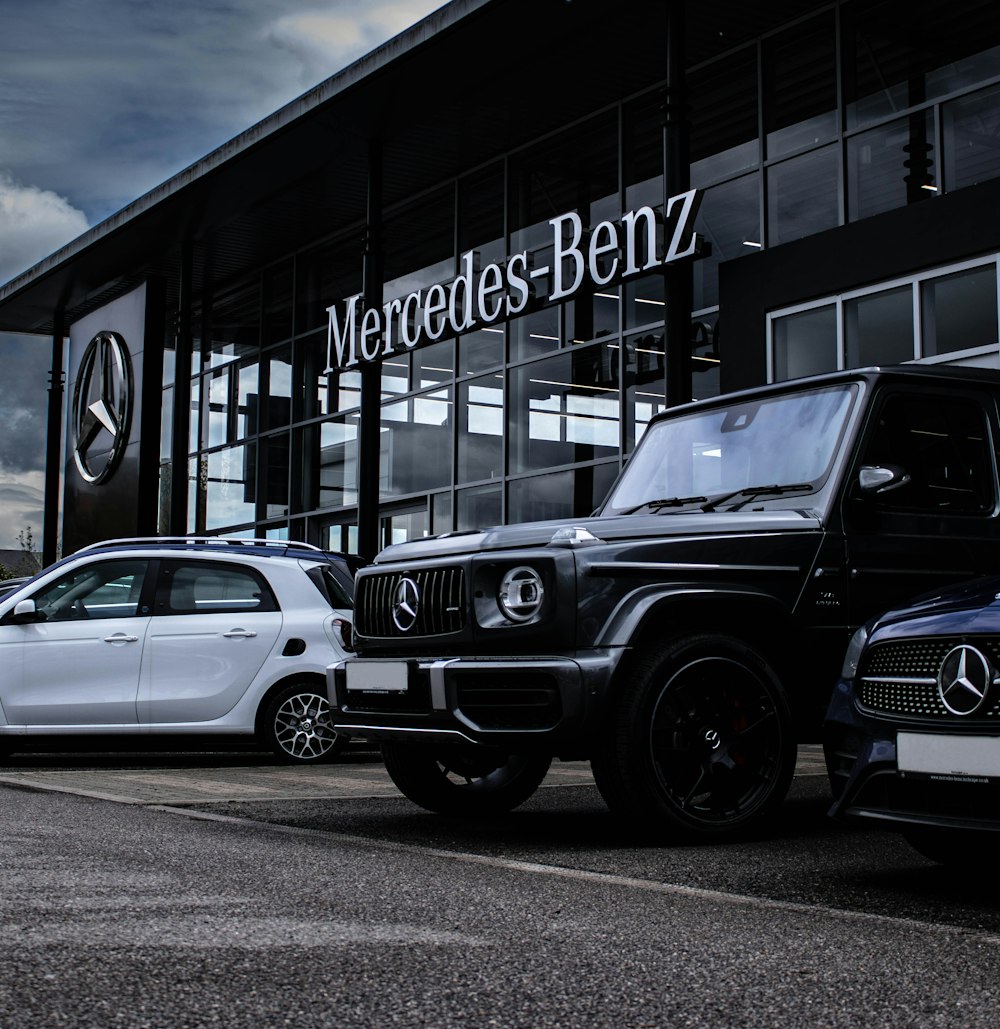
699 744
297 725
467 783
954 847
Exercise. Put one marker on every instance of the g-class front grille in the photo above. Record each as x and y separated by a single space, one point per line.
900 677
431 604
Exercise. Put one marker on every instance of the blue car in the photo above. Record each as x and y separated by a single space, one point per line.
912 734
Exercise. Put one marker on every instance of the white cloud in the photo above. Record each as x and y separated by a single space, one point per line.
33 223
325 40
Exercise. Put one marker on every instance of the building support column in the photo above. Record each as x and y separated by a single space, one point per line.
54 444
371 371
678 276
182 397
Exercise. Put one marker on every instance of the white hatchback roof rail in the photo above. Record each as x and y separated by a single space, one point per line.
200 540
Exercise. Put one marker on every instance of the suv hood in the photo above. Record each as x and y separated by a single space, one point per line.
616 529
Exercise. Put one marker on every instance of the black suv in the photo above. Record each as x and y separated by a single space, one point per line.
689 633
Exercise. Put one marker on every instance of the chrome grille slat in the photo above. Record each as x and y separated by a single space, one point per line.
441 610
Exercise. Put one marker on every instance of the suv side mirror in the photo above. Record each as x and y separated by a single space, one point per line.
874 479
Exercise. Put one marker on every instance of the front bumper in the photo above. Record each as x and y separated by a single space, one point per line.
538 703
866 782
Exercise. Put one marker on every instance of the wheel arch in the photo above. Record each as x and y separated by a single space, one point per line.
313 678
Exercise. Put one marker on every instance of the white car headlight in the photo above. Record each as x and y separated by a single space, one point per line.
521 594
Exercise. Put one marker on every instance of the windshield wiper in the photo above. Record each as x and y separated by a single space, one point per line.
748 493
666 502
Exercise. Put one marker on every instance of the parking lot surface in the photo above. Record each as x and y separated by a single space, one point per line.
228 891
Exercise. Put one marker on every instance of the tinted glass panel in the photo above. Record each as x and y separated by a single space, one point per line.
878 329
204 588
959 311
105 589
805 343
972 139
802 196
891 166
723 100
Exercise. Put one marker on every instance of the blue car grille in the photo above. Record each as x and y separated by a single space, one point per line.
900 677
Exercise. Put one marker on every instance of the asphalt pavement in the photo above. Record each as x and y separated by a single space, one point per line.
195 898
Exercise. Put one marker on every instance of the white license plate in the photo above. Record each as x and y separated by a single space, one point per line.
377 676
976 757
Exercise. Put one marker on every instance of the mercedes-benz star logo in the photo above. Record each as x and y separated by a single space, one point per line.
405 604
102 407
963 680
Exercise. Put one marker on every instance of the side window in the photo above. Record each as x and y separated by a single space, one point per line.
203 587
943 445
104 589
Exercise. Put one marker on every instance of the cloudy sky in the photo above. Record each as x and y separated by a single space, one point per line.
102 100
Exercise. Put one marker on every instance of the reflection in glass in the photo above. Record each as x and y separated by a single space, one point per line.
903 52
218 408
878 328
959 311
729 219
805 343
891 166
480 428
706 362
645 301
480 349
478 507
234 326
534 334
279 400
972 139
575 493
274 462
565 409
416 444
229 486
277 324
802 196
433 364
800 86
645 384
723 98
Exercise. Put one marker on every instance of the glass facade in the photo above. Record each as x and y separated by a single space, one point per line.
838 117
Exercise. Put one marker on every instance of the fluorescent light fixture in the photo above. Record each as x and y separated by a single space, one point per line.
753 243
643 300
538 335
930 188
607 296
574 385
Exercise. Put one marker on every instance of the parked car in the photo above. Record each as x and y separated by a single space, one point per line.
180 636
9 585
912 735
685 637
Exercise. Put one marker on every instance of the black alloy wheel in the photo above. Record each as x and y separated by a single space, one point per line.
298 726
700 744
465 782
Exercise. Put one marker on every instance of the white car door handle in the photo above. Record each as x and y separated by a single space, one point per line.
120 637
239 634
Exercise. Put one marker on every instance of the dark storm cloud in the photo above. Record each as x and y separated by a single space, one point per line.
24 368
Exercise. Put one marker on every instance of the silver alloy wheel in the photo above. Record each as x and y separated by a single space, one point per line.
303 727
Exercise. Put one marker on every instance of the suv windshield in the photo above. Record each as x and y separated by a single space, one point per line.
774 447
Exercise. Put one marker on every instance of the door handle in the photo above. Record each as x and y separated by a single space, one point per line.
239 634
120 637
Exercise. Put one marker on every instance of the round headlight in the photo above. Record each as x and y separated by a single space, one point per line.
521 594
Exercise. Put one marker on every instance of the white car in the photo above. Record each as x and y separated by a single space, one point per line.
191 636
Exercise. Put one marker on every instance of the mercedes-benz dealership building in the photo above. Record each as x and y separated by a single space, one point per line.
450 286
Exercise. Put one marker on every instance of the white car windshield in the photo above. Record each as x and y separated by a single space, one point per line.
752 449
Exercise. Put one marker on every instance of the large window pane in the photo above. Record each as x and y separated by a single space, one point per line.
723 99
570 494
480 428
729 219
479 507
645 384
800 86
416 444
805 343
229 486
972 139
234 327
959 311
878 329
802 196
891 166
903 52
565 409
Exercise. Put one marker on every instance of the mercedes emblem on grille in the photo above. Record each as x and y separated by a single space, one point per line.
405 604
963 680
